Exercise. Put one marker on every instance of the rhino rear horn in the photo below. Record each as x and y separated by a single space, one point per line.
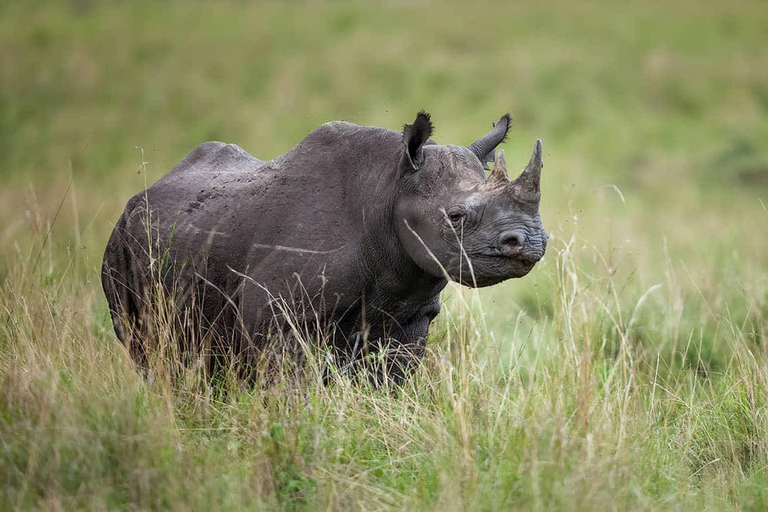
414 137
499 173
483 147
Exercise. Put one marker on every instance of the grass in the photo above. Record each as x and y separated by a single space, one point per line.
628 371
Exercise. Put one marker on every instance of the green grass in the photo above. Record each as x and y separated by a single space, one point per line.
628 371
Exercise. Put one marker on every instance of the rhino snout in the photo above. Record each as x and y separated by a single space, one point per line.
517 245
511 243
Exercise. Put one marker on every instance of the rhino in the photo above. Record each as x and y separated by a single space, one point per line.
350 237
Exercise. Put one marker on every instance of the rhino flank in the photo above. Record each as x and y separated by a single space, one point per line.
352 235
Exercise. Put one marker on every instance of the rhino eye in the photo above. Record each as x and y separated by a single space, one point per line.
456 214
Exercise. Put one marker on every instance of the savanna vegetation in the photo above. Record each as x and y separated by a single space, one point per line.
629 370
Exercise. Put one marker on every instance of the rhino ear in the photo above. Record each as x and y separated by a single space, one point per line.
483 148
414 137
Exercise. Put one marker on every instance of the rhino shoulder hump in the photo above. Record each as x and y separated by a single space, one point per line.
212 149
212 153
338 126
204 149
333 130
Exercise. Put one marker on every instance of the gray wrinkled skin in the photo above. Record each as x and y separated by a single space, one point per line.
356 230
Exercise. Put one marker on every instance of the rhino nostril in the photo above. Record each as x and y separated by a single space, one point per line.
511 240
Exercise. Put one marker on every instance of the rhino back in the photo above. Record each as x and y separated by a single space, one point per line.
312 195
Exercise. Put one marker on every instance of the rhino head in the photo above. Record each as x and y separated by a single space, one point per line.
451 219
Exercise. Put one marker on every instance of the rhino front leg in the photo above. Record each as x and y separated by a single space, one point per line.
402 351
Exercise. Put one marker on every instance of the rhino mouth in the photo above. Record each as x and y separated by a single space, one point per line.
487 269
518 260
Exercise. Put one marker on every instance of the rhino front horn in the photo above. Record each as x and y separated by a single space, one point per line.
526 187
531 175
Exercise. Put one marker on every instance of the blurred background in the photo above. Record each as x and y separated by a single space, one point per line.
629 367
654 118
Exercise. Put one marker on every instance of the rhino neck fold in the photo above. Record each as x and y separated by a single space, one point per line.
396 282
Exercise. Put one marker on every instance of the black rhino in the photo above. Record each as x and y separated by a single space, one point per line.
351 236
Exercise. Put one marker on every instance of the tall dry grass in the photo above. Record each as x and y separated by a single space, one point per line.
609 400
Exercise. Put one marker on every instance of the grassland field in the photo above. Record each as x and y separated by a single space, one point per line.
628 371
